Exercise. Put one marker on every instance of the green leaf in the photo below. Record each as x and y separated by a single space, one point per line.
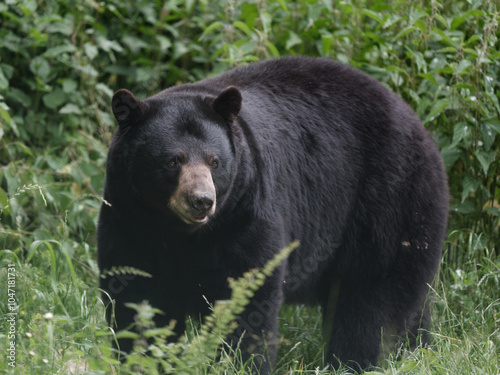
39 36
69 85
57 164
404 32
457 21
450 155
165 43
314 10
466 207
243 27
293 40
462 66
494 99
58 50
272 48
421 25
54 99
408 366
469 185
438 61
373 15
442 20
8 120
64 27
375 37
4 199
19 96
494 124
86 70
488 136
419 59
443 37
4 82
485 159
460 131
180 49
11 16
473 40
430 78
70 108
495 211
249 13
188 5
473 53
40 67
327 40
90 50
210 29
460 19
462 85
121 70
8 70
283 4
28 7
437 108
266 19
134 44
104 89
108 45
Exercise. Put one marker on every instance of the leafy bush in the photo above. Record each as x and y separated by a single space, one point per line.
60 62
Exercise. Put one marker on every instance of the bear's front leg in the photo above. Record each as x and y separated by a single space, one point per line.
124 289
134 269
257 333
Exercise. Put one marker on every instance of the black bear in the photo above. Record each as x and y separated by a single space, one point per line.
208 180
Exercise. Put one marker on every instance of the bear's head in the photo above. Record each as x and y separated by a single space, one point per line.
175 151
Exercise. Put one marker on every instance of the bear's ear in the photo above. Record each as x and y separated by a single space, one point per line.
228 103
126 107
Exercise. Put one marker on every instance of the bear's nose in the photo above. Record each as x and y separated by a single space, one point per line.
202 202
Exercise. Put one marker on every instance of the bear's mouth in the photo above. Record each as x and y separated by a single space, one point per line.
188 216
199 219
193 219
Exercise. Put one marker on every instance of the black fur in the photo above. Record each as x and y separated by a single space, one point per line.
307 149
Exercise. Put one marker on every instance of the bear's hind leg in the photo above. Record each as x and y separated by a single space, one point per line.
351 328
364 322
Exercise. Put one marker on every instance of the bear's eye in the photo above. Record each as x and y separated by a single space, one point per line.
173 163
214 163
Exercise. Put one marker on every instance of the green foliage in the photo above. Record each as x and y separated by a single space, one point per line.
60 62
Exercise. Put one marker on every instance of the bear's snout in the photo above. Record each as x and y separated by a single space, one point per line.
201 203
194 200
